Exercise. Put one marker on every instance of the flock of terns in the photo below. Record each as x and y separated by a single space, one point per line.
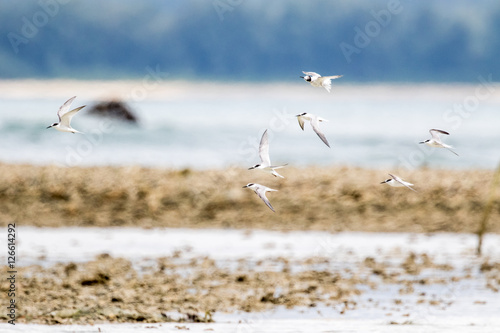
317 80
65 115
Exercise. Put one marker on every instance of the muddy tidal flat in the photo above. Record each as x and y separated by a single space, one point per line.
329 199
170 249
97 276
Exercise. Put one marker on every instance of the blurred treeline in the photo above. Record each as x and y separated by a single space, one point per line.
250 39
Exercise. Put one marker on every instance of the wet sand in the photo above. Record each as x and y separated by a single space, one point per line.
371 278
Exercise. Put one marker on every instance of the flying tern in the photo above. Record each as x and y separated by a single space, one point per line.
65 117
317 80
265 164
436 140
395 181
261 190
314 120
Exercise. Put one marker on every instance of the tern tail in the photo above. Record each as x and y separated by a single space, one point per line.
278 166
275 174
451 151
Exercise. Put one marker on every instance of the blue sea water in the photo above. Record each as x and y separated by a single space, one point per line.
374 130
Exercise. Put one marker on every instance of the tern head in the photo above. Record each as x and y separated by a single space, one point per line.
306 78
301 115
53 125
248 185
254 167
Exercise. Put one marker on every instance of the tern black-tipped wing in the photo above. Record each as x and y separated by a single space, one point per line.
315 126
301 121
65 119
65 107
264 149
435 133
311 74
262 194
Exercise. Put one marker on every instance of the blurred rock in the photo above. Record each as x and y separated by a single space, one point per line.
114 109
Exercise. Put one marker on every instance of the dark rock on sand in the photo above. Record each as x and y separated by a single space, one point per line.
115 109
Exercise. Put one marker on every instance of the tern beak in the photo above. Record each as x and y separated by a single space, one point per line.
382 182
251 169
421 142
244 186
49 126
301 77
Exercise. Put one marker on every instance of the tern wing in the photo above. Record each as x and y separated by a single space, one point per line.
65 119
276 174
264 149
405 184
311 74
327 84
315 126
65 107
278 166
410 187
301 121
261 192
435 133
333 77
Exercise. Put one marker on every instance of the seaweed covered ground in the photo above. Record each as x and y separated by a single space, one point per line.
331 199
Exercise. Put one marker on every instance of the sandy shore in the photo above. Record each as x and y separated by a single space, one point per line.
331 199
178 90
